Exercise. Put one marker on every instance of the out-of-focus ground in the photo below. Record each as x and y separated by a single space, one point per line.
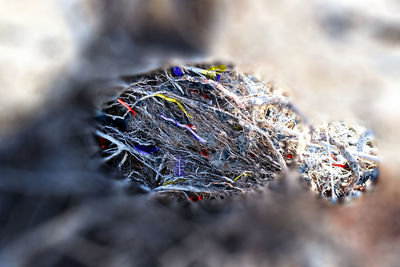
338 60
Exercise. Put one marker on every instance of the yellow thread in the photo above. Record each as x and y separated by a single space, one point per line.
174 182
219 68
209 74
237 127
169 182
243 174
179 103
213 71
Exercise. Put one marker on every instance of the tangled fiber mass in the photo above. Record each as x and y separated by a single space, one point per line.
208 131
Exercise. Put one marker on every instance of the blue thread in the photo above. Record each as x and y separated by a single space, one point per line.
146 149
177 71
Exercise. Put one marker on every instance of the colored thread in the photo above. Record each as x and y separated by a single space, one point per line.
344 166
204 153
237 127
230 94
146 149
179 103
179 169
214 71
177 71
243 174
186 126
102 142
127 106
203 95
193 127
196 198
218 68
289 156
174 182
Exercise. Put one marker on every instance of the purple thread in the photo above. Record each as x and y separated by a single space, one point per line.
179 169
198 138
195 137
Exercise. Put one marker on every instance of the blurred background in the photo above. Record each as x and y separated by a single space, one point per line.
337 60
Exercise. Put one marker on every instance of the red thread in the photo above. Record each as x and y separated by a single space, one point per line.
102 142
204 153
196 198
191 126
289 156
127 106
203 95
344 166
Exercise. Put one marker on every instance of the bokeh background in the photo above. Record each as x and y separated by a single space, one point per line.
337 60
